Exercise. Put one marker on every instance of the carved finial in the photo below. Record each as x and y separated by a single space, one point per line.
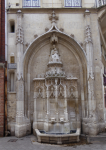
27 44
35 36
54 39
72 35
61 29
46 29
53 18
81 44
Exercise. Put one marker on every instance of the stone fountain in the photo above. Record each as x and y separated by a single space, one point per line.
53 116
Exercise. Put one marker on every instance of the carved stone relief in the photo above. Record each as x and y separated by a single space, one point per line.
58 88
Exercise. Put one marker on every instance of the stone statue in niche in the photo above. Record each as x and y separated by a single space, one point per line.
52 94
57 88
54 55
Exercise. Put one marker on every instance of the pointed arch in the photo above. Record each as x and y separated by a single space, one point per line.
65 40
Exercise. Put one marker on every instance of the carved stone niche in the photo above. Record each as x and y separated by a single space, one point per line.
55 97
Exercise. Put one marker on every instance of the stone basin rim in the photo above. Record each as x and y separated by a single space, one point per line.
52 135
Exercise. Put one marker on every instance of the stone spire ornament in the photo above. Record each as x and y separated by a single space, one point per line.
53 18
54 39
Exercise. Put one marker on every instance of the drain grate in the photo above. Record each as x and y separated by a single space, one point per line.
12 140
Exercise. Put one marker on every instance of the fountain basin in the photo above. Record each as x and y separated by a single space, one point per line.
57 138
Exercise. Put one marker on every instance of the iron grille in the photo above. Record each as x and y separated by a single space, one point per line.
73 3
31 3
101 2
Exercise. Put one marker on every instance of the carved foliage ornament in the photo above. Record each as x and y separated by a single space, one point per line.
19 35
88 37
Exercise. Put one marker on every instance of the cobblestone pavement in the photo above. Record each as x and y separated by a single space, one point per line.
30 143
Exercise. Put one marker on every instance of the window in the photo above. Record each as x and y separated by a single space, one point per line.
12 81
12 59
12 26
73 3
17 4
101 2
31 3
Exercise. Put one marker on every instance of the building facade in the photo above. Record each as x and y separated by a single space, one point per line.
2 66
56 66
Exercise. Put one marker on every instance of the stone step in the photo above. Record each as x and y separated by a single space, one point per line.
102 134
96 140
99 139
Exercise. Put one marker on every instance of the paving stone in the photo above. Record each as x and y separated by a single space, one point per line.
26 143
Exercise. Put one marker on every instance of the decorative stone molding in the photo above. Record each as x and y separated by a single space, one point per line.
19 14
54 39
61 29
20 76
35 36
88 37
19 35
27 44
81 44
72 35
87 12
46 29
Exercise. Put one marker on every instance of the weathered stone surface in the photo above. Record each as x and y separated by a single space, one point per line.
59 79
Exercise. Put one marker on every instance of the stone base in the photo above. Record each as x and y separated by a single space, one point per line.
92 128
58 139
102 127
22 130
11 128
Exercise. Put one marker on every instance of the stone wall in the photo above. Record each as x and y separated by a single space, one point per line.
79 47
51 4
11 113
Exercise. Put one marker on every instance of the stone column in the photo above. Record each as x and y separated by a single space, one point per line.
47 104
77 108
91 121
65 112
22 126
35 115
56 101
46 124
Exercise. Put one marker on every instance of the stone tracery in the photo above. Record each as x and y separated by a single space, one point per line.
57 88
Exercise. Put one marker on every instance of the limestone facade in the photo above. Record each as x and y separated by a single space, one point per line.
55 67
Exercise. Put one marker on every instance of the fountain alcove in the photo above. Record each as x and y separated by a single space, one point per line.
56 109
55 85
